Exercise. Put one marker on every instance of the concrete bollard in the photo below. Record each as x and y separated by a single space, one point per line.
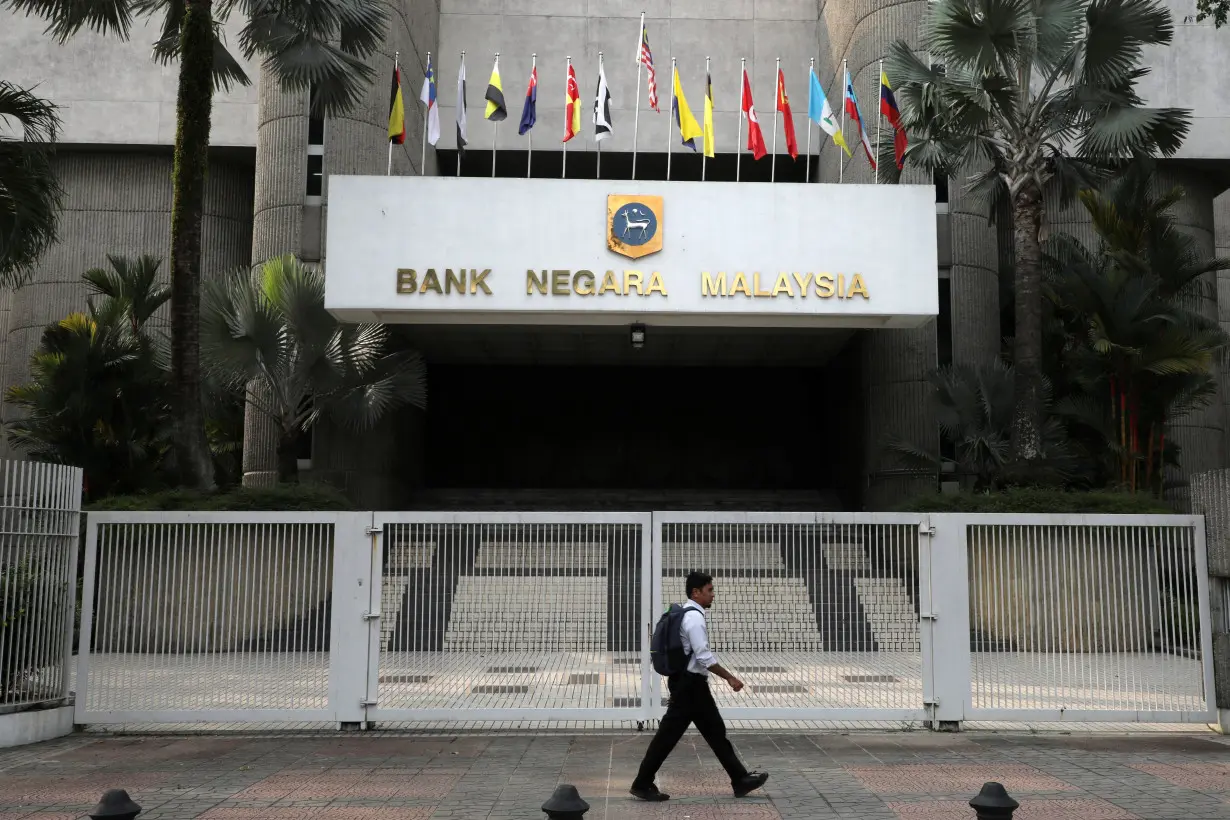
993 803
565 803
115 805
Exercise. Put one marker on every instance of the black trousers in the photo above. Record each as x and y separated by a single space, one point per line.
691 702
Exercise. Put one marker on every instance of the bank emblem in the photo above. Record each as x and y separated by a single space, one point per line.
634 225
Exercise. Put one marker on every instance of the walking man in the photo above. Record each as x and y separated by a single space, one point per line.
692 702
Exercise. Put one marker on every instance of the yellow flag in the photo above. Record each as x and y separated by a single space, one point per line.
497 111
708 116
689 129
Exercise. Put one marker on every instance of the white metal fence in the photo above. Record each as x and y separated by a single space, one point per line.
40 507
353 617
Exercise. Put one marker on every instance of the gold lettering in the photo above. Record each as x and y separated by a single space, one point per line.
632 278
559 282
609 283
431 282
407 280
841 286
451 278
824 285
583 276
756 291
857 286
783 285
655 284
477 280
532 282
804 284
713 287
739 285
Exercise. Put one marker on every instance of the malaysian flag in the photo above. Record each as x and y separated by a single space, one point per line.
645 57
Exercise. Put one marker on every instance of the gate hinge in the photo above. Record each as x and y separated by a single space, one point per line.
928 616
371 616
366 703
374 531
926 529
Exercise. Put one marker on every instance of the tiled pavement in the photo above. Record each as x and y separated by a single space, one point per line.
908 775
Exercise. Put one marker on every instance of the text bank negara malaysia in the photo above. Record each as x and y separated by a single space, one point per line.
645 316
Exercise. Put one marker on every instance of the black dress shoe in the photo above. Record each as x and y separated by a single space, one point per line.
750 783
651 793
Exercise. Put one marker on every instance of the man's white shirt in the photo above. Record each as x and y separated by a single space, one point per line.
696 639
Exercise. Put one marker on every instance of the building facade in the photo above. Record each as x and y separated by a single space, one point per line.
488 437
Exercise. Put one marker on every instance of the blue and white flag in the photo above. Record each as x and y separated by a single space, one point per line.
428 98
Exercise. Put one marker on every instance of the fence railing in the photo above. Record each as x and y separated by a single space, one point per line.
353 617
40 507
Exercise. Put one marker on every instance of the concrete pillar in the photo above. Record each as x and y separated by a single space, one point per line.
973 279
1221 243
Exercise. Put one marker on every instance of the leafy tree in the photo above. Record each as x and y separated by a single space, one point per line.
1218 10
974 408
97 398
30 193
269 327
1130 339
316 44
1012 89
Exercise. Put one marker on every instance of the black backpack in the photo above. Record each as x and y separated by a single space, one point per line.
666 646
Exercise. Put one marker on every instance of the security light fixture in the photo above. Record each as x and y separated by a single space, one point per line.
638 336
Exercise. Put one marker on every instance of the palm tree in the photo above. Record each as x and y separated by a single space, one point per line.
319 45
1219 10
1131 341
268 330
30 193
1015 87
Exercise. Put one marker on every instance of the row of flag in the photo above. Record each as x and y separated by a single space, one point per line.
819 110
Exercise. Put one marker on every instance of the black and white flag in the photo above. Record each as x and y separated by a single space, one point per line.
602 107
462 137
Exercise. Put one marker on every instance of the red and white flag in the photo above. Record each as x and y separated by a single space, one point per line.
645 57
755 138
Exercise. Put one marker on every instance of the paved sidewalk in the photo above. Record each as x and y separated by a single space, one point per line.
912 776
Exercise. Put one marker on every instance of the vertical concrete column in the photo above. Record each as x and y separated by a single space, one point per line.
1210 497
974 278
1221 243
277 228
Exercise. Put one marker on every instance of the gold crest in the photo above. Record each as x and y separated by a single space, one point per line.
634 225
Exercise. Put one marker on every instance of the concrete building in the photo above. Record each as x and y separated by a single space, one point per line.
268 194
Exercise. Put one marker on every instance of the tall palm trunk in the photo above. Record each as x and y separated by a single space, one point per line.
193 106
1027 352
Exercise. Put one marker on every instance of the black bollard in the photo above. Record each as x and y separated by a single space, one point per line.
993 803
565 803
115 805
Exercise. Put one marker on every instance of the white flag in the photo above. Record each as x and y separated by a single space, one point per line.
602 107
462 136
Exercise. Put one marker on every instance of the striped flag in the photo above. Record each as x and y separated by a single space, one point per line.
888 107
689 129
497 111
602 107
428 98
645 57
853 111
572 105
397 110
462 137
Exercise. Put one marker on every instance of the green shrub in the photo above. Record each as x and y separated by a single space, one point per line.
31 613
1038 500
282 498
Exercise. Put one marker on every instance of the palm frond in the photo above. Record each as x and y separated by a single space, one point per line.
30 192
1121 131
67 17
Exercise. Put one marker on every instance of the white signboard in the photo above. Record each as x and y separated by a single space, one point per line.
575 252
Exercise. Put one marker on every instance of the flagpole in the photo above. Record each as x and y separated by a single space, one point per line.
841 163
389 171
703 155
739 121
636 119
495 125
777 99
567 73
670 126
879 118
462 104
426 115
598 173
811 70
529 135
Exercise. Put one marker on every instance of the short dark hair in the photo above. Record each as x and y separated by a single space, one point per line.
697 580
